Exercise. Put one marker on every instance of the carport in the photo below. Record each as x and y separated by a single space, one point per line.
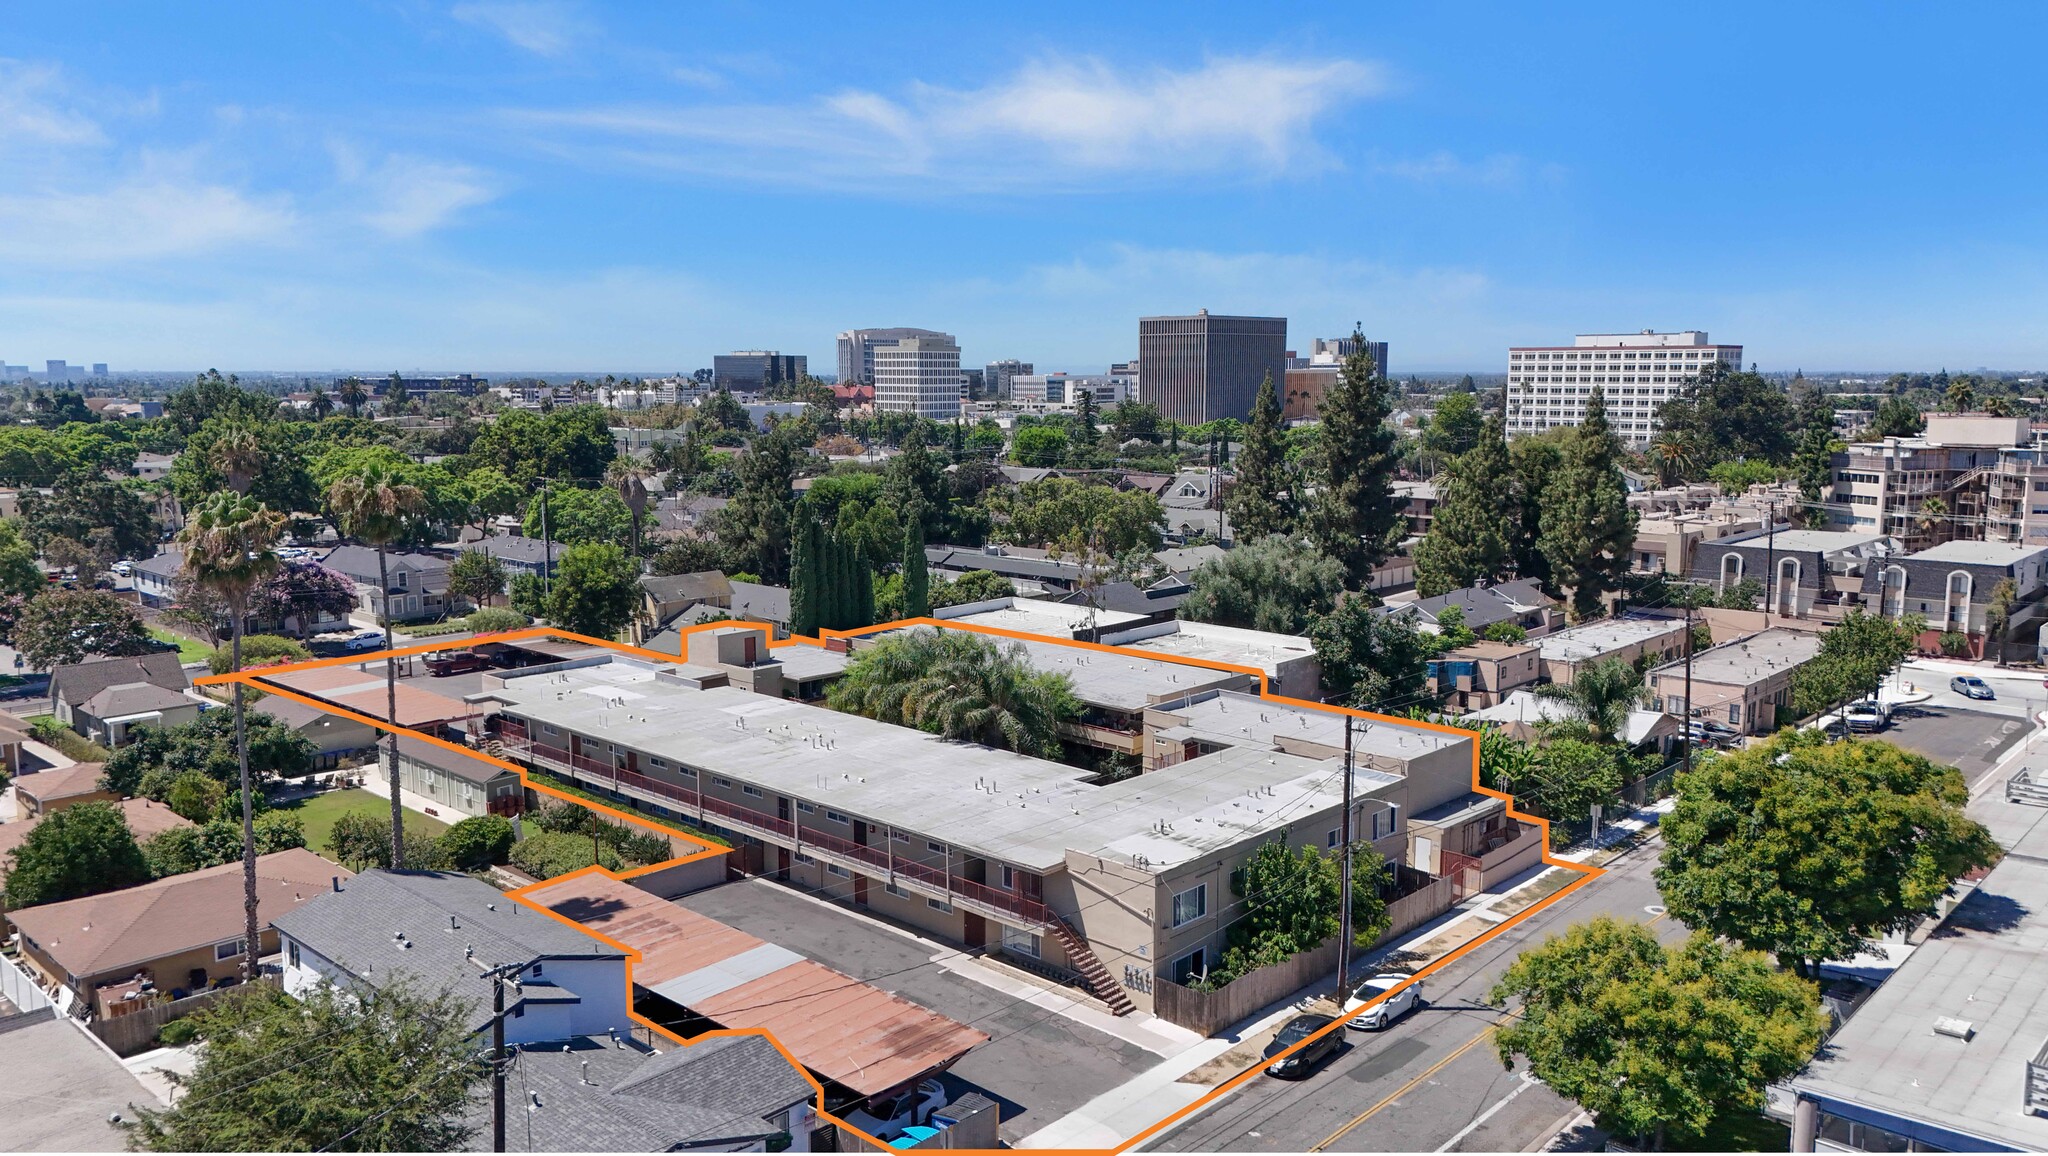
845 1030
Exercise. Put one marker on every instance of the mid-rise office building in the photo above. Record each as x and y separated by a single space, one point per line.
58 370
1206 366
748 371
997 376
918 374
857 350
1308 378
99 369
1548 385
1066 389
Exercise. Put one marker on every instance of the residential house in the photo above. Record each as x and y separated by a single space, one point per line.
156 578
519 554
1953 586
1287 660
462 783
1745 684
178 935
145 818
1054 618
1030 574
1519 603
1182 561
1637 641
46 792
13 733
1157 602
691 514
1803 573
103 698
1419 505
154 467
337 739
443 928
617 1094
1669 543
1481 674
1524 712
418 587
663 596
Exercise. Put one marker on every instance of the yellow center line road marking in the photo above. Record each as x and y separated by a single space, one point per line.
1408 1087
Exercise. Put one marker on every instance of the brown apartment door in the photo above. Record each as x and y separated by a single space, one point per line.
976 929
860 890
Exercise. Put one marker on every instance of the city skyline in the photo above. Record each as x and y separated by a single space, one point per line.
543 186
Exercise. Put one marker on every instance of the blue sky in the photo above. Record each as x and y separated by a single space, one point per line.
542 184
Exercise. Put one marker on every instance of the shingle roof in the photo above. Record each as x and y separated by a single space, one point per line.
166 564
130 698
360 562
594 1095
516 548
767 603
462 766
125 929
704 584
80 681
46 787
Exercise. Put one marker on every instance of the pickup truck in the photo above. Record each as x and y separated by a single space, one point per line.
456 662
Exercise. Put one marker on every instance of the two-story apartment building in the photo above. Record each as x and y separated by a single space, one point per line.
1745 683
1802 573
1480 674
418 583
1651 641
1119 883
1952 585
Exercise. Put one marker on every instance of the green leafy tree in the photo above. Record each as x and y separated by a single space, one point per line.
756 526
1271 584
494 620
379 509
1038 445
1471 537
1600 697
1736 475
576 516
84 849
397 1071
66 626
1355 518
1810 849
1854 659
477 577
258 650
1813 460
1076 515
1588 531
477 842
1135 420
596 590
490 494
1261 500
564 444
196 796
1369 659
359 840
1896 417
267 459
1730 413
1565 779
973 586
1536 460
1454 428
210 744
959 685
107 515
529 595
20 577
917 585
1657 1042
1292 903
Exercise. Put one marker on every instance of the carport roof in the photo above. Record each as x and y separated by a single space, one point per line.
363 692
852 1032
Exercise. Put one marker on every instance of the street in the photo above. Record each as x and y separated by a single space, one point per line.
1432 1082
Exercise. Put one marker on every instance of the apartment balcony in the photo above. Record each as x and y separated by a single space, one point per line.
868 859
1103 738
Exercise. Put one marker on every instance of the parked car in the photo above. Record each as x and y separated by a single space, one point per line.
1304 1061
1379 1015
1867 716
123 568
365 640
886 1116
1970 686
289 553
456 662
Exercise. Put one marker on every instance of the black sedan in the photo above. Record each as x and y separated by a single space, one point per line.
1302 1062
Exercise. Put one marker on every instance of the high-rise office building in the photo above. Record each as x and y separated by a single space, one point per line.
998 375
756 369
99 369
1548 384
973 384
857 350
56 371
1206 366
918 374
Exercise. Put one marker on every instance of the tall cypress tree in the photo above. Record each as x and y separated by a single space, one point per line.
1261 501
1588 531
1813 460
917 581
1084 412
1356 519
863 611
1472 535
838 583
803 577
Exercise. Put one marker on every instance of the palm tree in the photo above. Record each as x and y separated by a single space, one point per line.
237 454
1933 512
320 404
629 475
962 686
1960 396
378 509
1675 456
228 551
1600 696
353 395
1998 405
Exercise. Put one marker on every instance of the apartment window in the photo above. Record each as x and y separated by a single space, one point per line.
1020 941
835 869
900 837
686 772
806 808
1190 905
935 848
226 951
1330 840
750 791
716 781
291 952
661 763
1735 714
803 858
403 583
835 816
548 730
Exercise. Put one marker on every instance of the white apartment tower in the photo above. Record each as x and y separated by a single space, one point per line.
919 375
1548 385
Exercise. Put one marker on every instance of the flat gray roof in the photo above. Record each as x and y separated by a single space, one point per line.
1981 553
1815 541
1228 717
1261 649
802 662
1604 637
1750 660
1126 682
1034 616
1012 807
1988 966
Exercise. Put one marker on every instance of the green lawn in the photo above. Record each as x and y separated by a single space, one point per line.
189 649
319 813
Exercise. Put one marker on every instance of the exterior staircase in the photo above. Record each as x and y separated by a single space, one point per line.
2026 787
1084 960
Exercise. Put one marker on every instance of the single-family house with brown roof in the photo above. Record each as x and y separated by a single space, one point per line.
61 787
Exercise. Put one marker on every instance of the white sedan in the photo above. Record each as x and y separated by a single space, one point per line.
1386 1011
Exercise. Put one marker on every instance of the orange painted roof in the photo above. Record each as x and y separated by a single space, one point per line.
853 1032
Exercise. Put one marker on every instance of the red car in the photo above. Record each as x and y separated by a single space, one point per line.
456 662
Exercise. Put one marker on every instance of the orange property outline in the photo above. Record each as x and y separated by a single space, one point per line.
259 678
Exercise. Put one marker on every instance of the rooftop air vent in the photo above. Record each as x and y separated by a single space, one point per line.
1951 1026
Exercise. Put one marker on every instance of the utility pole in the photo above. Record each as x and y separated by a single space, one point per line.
1344 880
1688 723
496 977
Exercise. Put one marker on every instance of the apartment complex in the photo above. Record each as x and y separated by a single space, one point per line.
919 374
1965 476
1548 384
1126 883
1204 366
751 370
857 350
1745 683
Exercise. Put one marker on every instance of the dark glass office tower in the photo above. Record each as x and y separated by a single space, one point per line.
1207 366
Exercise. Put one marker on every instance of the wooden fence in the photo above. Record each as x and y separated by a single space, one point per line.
136 1032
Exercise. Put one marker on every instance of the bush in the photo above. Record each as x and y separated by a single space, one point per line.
360 840
547 855
493 619
477 842
196 796
258 650
178 1033
1954 643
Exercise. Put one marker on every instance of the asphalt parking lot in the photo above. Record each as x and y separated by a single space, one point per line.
1039 1065
1971 741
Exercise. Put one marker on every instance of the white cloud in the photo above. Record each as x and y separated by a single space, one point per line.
148 218
1053 125
30 118
540 27
1443 166
405 196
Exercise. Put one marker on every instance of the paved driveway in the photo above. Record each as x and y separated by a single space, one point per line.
1038 1064
1970 740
